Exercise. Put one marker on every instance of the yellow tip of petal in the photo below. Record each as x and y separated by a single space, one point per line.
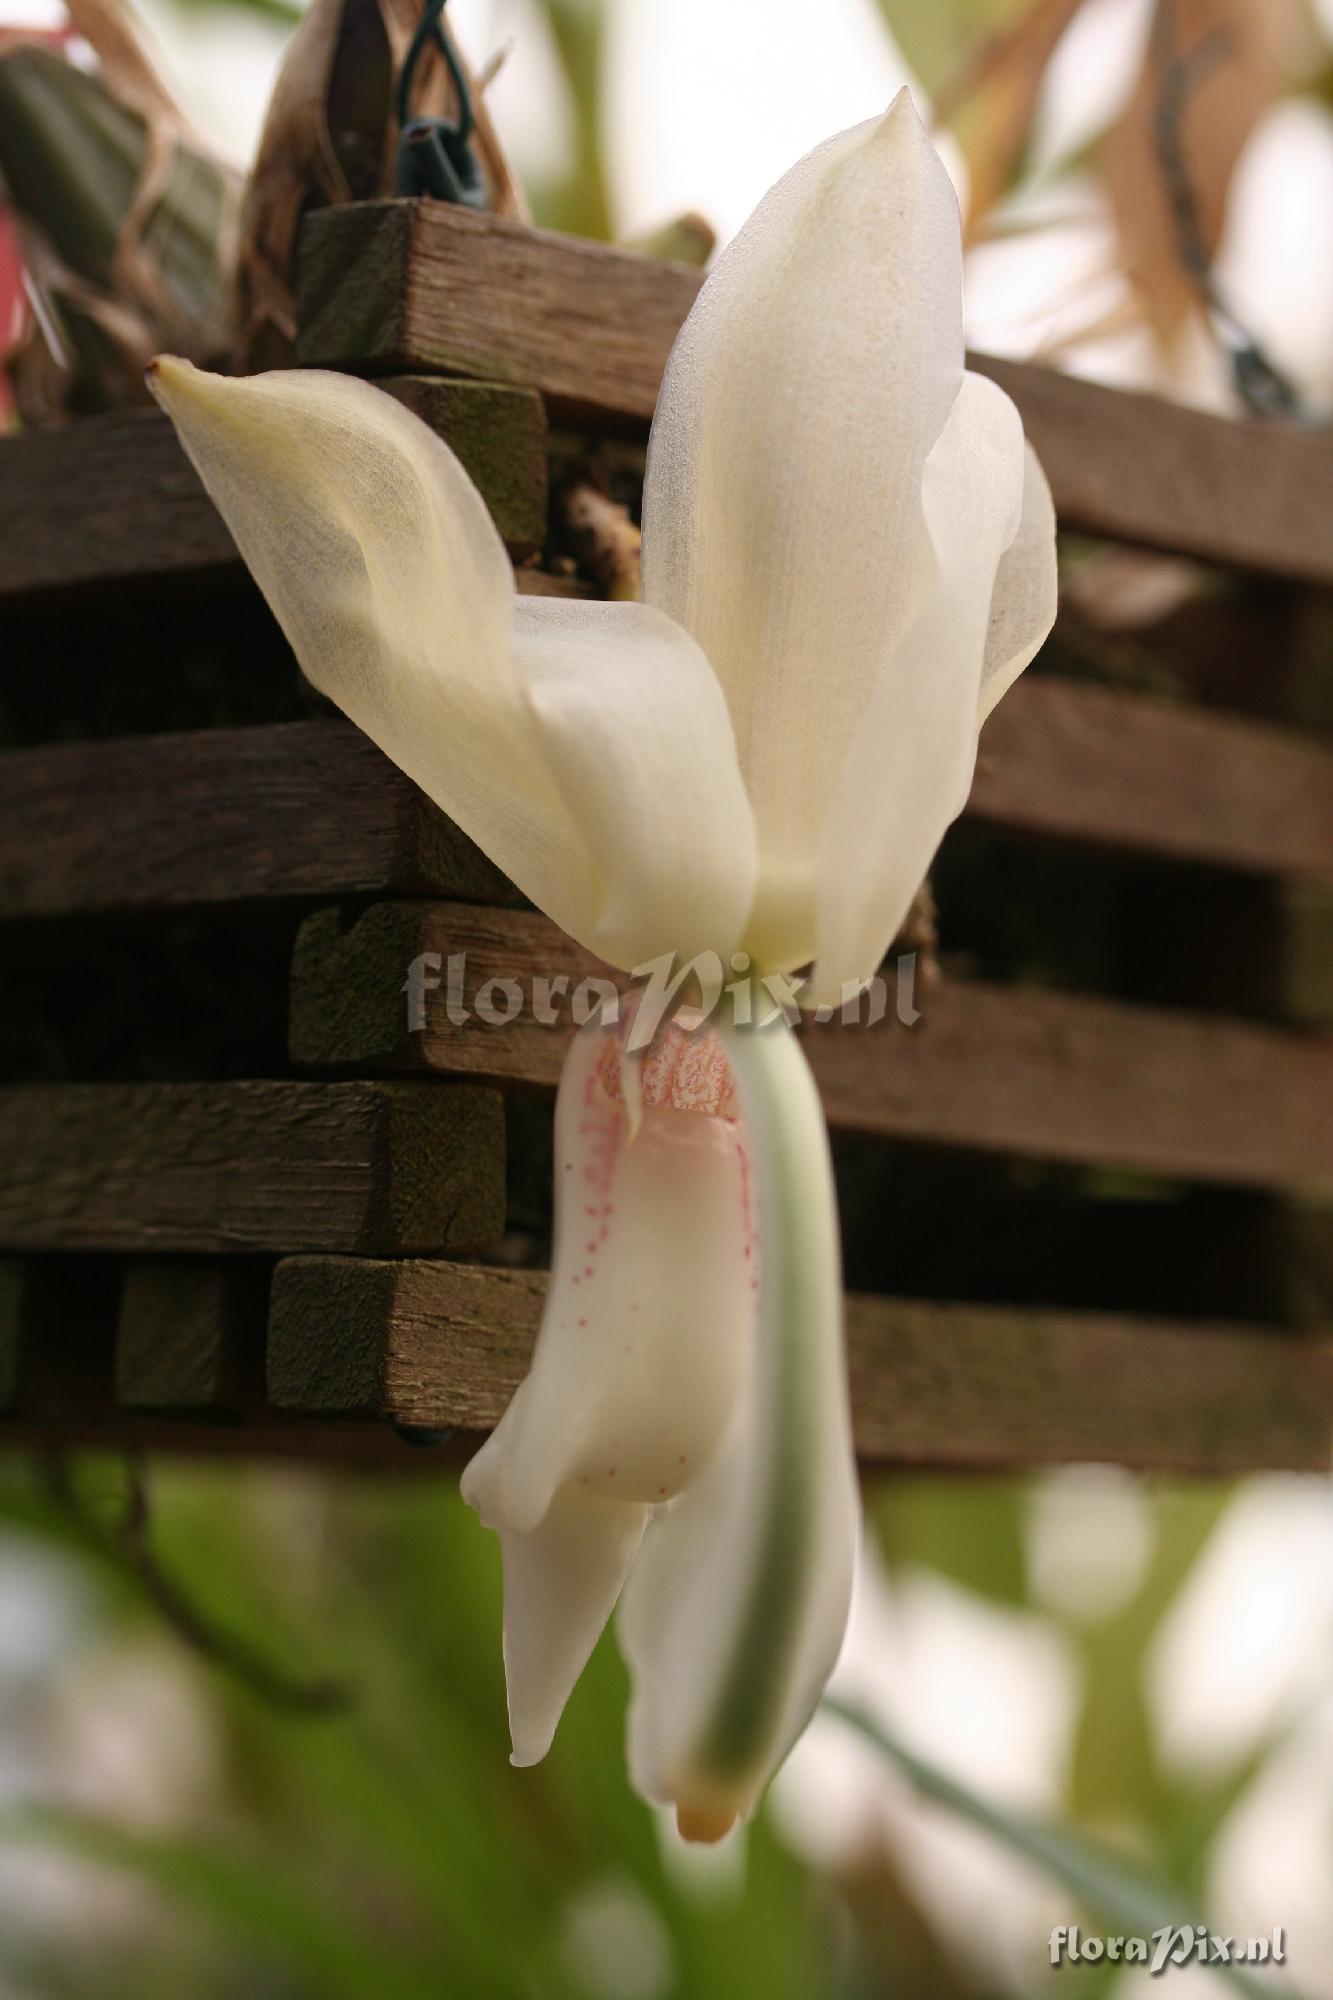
166 368
705 1825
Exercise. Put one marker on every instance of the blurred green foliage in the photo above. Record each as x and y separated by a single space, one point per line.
388 1849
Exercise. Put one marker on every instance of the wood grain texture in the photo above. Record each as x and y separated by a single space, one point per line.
312 808
1046 1075
104 1425
401 286
437 1344
1126 772
588 325
250 1167
185 1334
63 1327
222 815
114 497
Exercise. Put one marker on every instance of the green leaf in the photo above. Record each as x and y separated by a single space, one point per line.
1112 1888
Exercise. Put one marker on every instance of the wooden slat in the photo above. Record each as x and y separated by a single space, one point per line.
67 1378
1126 772
588 325
1047 1075
103 1425
186 1334
237 1167
394 286
114 497
434 1344
222 815
311 808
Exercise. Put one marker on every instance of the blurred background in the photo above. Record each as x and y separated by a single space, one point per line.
295 1783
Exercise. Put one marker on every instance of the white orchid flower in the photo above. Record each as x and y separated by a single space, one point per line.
848 556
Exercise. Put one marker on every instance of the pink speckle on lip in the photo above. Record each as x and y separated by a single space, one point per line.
686 1070
587 1270
610 1471
583 1322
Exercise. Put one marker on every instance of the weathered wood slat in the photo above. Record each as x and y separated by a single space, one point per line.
222 815
186 1334
69 1382
114 497
1046 1075
312 808
250 1167
392 286
433 1345
103 1425
1123 771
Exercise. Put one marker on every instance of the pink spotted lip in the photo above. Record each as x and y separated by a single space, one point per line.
685 1070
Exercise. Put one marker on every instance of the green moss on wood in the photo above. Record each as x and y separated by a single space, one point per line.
499 434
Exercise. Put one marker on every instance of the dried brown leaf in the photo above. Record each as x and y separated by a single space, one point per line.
1238 56
991 99
330 136
128 219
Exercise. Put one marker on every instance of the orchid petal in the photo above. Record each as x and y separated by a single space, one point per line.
642 1357
637 735
783 521
907 774
561 1582
377 555
1022 609
737 1603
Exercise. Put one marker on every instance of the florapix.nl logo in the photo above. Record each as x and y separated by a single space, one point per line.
695 989
1169 1945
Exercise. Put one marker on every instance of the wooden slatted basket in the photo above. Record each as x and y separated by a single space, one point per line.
245 1205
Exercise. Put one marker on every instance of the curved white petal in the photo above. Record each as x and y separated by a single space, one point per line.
736 1606
637 734
1022 608
782 510
908 771
644 1352
384 570
561 1582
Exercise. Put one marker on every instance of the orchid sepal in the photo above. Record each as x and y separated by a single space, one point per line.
737 1602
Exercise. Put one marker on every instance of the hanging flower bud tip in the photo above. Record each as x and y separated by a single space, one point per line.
704 1826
